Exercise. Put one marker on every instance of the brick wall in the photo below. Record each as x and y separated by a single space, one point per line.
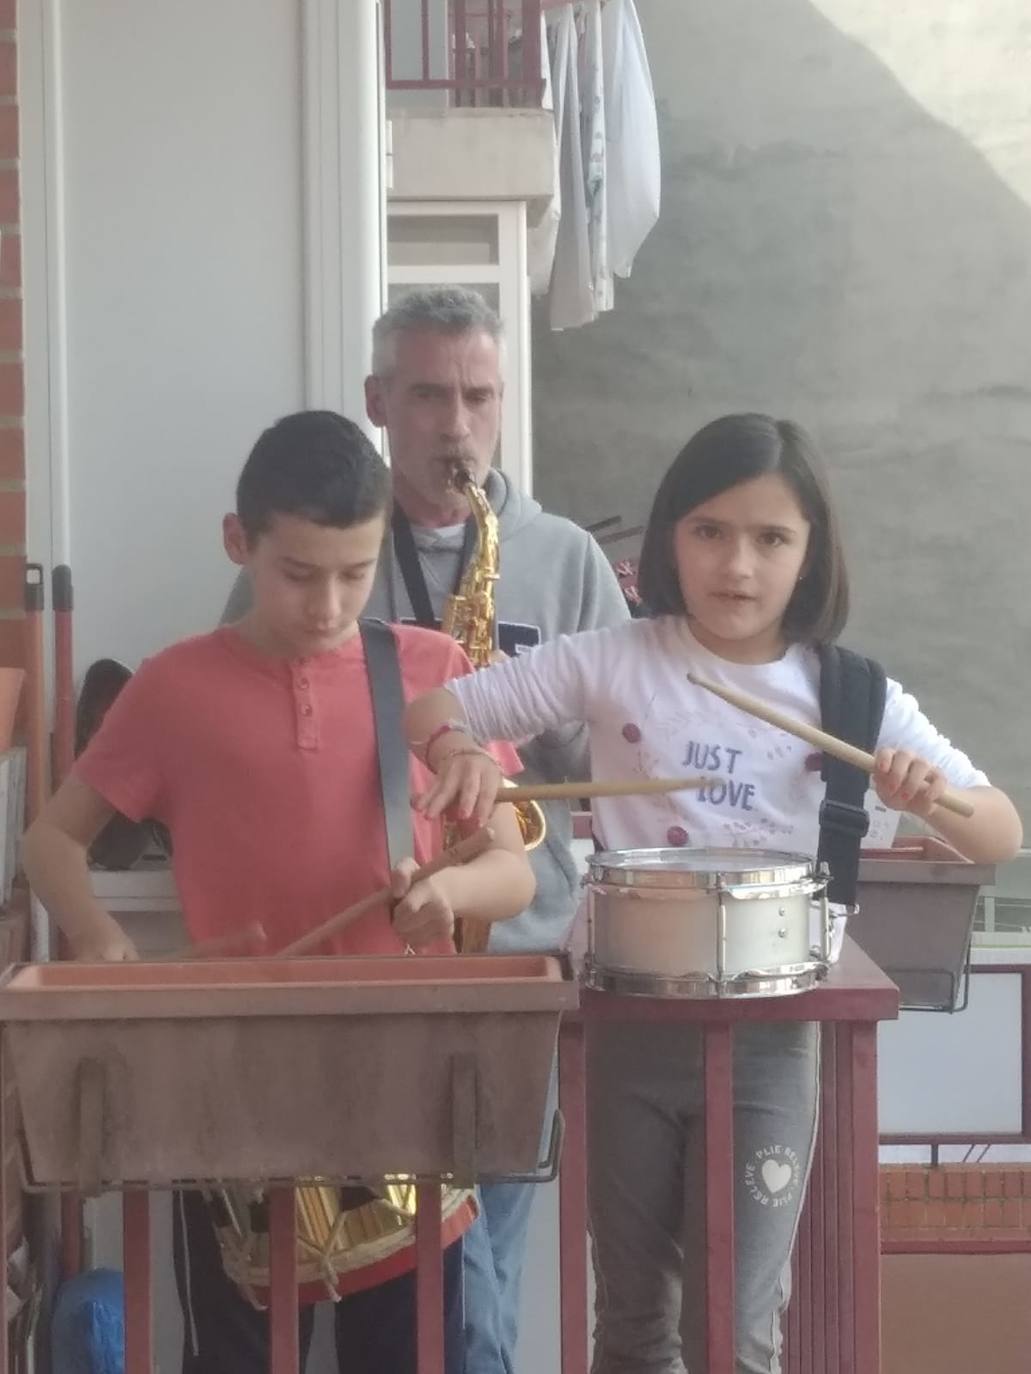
12 434
956 1204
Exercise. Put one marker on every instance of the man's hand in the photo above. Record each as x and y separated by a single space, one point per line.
422 913
905 782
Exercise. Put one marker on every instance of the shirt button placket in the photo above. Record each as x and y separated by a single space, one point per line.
307 727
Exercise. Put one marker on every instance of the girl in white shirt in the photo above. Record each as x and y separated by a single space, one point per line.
743 573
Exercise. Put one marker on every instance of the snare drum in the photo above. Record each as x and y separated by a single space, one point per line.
705 922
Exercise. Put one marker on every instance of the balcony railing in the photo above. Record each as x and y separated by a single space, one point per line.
476 53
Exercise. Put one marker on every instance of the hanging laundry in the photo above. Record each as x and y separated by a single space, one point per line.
571 299
633 164
541 235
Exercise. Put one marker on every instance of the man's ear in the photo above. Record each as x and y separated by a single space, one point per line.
234 540
375 400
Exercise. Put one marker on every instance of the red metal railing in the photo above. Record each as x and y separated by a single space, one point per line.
481 52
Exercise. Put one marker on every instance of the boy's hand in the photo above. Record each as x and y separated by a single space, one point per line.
905 782
467 785
107 947
422 914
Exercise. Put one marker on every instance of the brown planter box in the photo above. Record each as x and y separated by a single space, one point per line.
259 1069
916 914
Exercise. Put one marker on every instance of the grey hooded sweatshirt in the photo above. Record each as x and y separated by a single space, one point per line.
554 580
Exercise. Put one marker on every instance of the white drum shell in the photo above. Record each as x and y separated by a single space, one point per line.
656 914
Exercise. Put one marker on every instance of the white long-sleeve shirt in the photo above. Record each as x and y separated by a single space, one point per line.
629 684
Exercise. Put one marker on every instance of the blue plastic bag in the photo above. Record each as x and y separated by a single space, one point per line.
88 1328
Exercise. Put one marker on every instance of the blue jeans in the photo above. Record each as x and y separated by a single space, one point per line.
493 1252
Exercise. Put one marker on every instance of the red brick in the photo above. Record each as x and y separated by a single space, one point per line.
935 1183
973 1215
8 131
10 259
935 1215
9 198
10 326
12 643
1011 1183
12 453
954 1214
954 1184
1011 1212
908 1215
8 69
883 1184
974 1183
993 1212
12 398
897 1184
12 517
916 1185
993 1184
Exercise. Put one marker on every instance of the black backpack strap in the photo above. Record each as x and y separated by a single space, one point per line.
388 706
851 707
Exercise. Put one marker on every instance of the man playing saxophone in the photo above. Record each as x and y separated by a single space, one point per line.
437 388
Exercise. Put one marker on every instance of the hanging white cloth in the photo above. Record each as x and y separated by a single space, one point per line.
592 133
631 135
571 301
541 235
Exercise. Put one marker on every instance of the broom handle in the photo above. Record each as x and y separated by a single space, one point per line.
829 744
462 852
572 791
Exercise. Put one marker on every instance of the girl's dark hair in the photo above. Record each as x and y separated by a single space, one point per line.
725 453
315 464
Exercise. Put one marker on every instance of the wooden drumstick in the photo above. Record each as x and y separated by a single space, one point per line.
572 791
829 744
461 853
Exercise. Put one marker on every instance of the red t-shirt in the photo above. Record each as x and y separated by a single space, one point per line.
265 772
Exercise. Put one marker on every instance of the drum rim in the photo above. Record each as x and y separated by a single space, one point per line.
787 980
656 868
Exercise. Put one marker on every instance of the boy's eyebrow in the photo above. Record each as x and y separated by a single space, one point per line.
299 563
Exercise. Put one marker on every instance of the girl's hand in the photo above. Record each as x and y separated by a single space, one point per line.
422 915
905 782
467 785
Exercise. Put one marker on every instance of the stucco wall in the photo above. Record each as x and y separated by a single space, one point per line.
846 240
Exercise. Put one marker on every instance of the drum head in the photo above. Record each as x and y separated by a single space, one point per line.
708 869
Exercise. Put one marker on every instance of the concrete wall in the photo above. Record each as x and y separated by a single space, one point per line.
845 239
182 298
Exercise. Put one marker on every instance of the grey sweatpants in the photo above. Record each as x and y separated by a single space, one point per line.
646 1189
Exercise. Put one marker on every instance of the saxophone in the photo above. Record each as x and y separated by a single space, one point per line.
469 618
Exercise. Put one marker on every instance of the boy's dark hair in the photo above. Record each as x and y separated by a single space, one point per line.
723 454
315 464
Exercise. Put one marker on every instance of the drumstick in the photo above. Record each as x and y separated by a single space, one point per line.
830 744
571 791
254 934
469 848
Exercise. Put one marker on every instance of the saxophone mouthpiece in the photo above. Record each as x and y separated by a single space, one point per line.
461 477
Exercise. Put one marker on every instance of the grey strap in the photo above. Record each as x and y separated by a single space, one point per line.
388 706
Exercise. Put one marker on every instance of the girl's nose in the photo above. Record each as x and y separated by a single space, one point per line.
740 557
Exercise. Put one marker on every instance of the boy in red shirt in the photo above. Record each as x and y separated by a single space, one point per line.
255 745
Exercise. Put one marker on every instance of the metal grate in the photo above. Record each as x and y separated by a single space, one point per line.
1003 915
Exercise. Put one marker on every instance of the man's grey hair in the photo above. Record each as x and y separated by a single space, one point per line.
437 309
